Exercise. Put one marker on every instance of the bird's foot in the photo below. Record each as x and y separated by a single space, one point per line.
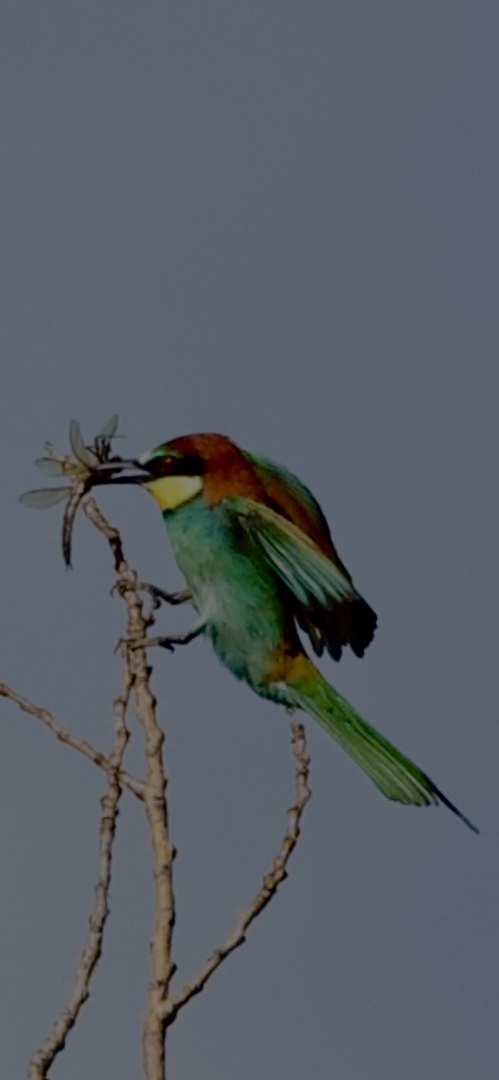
159 596
144 643
161 642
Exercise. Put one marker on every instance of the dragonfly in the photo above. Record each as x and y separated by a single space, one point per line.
81 470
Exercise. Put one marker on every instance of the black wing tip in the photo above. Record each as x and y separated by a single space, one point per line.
358 650
352 622
366 623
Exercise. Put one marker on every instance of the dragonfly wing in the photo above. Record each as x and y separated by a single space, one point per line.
43 498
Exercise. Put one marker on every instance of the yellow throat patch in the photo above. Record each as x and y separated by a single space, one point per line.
172 491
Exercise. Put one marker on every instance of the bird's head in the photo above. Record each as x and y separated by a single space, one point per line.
175 472
174 475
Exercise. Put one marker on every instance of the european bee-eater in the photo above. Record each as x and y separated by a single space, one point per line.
259 562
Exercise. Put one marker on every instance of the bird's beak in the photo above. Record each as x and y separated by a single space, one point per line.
106 472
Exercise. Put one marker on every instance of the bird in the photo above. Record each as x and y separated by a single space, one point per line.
256 553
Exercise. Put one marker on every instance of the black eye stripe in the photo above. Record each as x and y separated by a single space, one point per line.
168 465
192 465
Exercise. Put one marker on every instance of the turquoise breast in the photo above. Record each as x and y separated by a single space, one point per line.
235 593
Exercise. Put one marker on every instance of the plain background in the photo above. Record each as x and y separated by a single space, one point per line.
279 221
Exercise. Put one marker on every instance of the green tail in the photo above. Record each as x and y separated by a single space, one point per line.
392 772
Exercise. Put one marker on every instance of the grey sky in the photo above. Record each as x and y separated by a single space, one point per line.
279 221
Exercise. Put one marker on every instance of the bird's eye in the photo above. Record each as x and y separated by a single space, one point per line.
159 466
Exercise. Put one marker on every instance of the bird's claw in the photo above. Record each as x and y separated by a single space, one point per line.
118 587
159 596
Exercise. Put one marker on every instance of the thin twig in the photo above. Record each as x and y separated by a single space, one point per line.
270 885
44 1057
92 512
64 736
154 1026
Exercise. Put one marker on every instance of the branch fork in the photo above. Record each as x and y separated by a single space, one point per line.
162 1005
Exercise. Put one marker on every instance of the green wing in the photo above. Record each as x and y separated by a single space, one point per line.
327 606
296 502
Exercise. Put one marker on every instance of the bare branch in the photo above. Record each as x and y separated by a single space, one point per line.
153 790
84 747
45 1056
162 1009
270 885
154 1027
92 512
